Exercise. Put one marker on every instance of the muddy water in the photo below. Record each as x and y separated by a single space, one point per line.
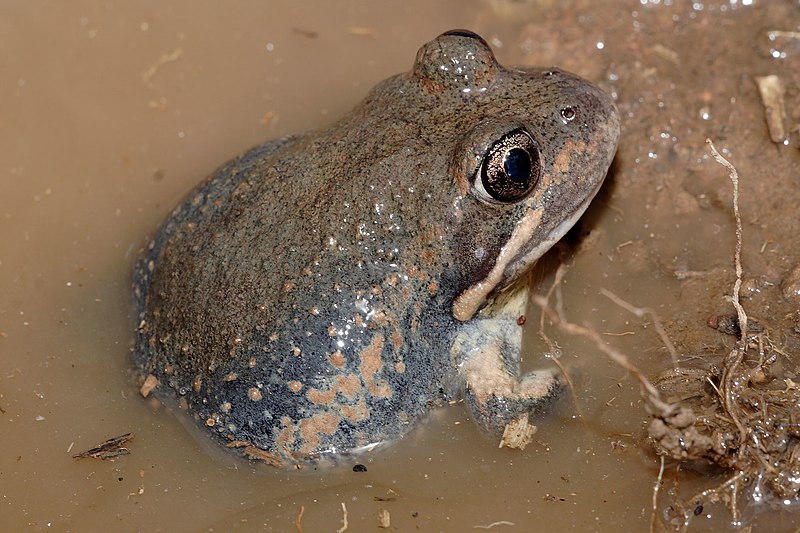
112 112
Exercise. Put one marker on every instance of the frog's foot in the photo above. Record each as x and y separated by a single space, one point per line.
487 354
496 398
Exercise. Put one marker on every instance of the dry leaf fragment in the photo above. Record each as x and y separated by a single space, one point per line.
518 434
109 449
150 383
772 91
384 520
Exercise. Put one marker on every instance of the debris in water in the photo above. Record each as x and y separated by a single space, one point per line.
109 449
771 90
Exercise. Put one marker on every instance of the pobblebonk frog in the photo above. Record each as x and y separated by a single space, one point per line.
320 293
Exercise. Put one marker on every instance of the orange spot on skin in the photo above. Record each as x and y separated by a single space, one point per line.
356 413
380 319
349 386
371 364
241 189
415 272
427 257
294 386
415 317
337 359
321 398
362 439
400 367
285 438
397 340
312 429
433 288
254 394
563 161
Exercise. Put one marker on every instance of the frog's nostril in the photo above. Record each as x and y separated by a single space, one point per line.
568 113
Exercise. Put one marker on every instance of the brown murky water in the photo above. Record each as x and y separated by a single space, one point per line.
111 112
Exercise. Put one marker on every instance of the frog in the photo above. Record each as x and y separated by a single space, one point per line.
320 294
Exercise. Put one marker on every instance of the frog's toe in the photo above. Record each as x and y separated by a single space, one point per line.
541 386
533 394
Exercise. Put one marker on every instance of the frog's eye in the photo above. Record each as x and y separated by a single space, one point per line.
510 168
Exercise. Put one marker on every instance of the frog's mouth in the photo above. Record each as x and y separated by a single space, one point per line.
519 266
514 260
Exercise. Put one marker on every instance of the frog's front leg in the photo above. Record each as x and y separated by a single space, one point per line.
487 351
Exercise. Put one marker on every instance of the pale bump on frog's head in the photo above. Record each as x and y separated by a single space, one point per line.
533 148
457 60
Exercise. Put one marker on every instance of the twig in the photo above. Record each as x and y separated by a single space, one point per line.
736 356
774 34
556 288
494 524
169 57
344 519
656 488
712 495
615 355
737 256
641 312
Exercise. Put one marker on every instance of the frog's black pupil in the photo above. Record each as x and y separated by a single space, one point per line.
517 165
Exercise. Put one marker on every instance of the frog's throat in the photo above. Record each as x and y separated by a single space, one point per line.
469 301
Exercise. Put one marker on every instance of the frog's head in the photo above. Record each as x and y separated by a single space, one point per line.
534 147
